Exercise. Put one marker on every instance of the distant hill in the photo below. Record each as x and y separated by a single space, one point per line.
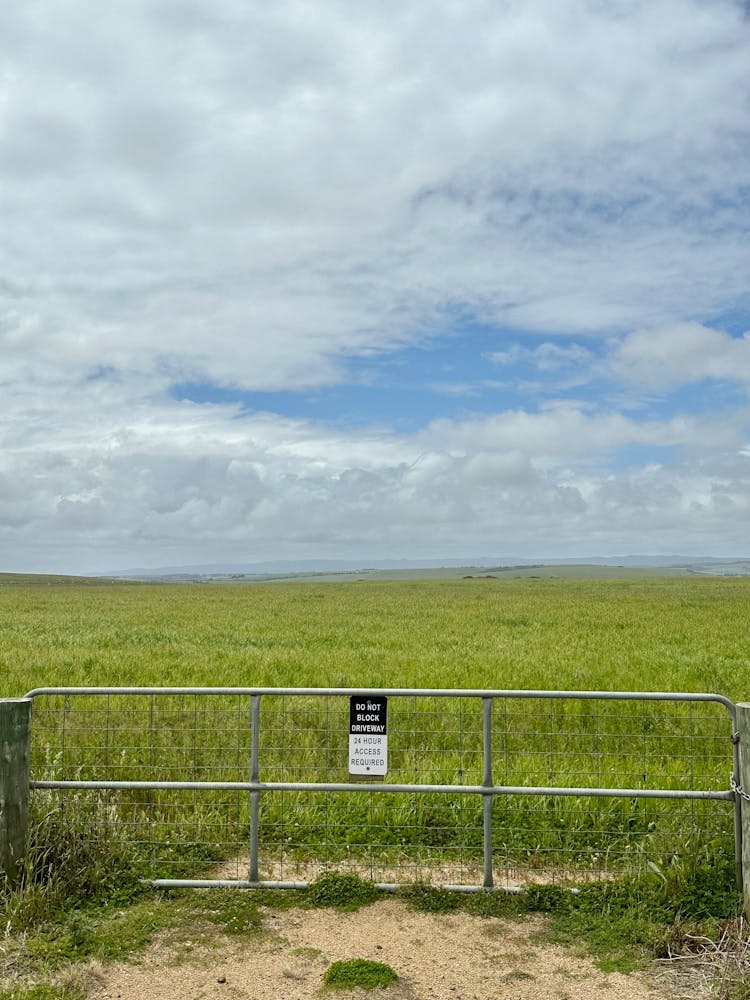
57 580
630 567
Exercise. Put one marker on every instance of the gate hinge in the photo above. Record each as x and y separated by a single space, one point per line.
738 789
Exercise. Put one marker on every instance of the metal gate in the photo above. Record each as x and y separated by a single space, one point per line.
483 789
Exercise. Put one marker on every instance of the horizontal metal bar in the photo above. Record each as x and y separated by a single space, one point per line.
339 786
394 692
198 883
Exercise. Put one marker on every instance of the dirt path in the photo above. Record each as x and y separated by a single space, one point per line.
436 956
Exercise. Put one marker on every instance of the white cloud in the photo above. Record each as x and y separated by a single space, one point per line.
547 357
680 354
257 194
197 182
168 476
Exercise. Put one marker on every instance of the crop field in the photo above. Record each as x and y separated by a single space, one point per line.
689 635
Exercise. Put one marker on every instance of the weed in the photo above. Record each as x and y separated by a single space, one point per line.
622 922
548 899
431 899
308 953
494 904
346 891
634 917
104 933
77 856
42 991
359 972
235 911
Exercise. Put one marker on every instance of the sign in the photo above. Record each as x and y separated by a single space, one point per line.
368 735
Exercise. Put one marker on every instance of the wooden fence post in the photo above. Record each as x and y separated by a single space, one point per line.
15 747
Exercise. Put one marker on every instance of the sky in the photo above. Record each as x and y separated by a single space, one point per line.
373 281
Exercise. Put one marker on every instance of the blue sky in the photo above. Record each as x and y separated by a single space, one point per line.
459 375
388 281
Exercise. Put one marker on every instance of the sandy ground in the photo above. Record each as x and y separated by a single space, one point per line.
436 957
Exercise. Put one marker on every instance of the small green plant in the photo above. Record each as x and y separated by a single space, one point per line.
361 972
432 899
235 911
341 891
548 899
100 932
41 992
494 904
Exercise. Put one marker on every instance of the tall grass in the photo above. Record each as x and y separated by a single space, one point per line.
620 634
612 635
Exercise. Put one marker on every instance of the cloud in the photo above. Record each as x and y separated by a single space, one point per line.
162 477
273 198
547 357
681 354
226 181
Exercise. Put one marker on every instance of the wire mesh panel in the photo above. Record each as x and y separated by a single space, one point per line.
607 743
135 739
482 788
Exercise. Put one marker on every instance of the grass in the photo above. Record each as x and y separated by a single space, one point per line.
43 991
41 962
175 833
623 923
341 891
625 634
361 973
614 634
622 634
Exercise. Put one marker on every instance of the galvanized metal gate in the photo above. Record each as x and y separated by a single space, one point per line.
494 787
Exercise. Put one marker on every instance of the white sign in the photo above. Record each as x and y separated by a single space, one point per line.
368 735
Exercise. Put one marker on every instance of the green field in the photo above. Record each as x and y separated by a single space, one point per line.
645 634
691 635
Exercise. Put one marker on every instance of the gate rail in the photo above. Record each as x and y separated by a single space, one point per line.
488 789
